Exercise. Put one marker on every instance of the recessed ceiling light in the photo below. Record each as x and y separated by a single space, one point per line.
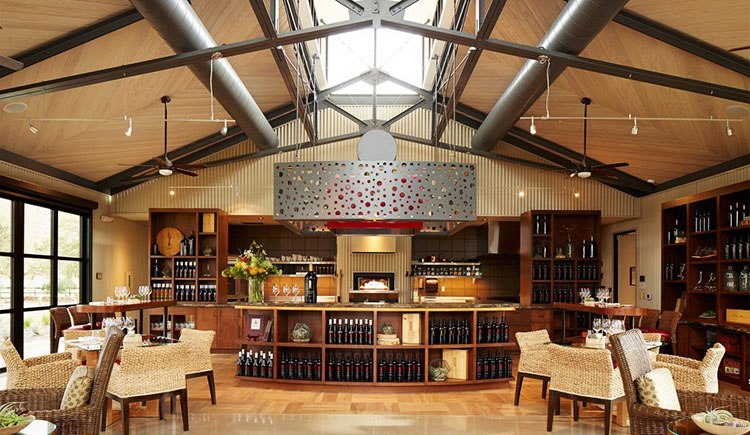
15 107
738 110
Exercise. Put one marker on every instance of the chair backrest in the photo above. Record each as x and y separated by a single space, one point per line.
528 340
669 321
633 360
13 362
60 318
157 369
651 320
584 372
198 345
112 343
78 318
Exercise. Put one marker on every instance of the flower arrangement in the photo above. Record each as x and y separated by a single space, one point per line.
252 265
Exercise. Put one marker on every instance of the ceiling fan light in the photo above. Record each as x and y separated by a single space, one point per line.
729 130
532 128
584 174
224 129
129 131
35 130
165 172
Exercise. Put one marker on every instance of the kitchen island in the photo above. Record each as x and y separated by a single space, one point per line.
375 347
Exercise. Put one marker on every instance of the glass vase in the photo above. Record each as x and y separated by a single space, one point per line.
255 292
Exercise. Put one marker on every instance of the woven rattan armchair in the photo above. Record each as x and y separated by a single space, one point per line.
198 362
534 360
651 320
149 373
61 322
48 371
692 375
633 362
44 403
79 318
583 375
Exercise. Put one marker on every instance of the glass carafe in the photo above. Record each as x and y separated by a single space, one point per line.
711 283
699 285
730 280
745 279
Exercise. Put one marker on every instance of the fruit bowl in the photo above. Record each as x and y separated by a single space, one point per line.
11 430
718 429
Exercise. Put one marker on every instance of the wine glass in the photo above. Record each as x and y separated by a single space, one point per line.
295 291
143 292
607 326
275 290
596 325
130 324
286 291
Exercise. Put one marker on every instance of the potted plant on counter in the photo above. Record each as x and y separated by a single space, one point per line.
253 266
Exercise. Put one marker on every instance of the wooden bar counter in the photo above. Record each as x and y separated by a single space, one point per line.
623 312
284 316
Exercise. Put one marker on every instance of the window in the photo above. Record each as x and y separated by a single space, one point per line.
44 263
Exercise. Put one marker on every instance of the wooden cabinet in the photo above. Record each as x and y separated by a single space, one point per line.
205 319
228 328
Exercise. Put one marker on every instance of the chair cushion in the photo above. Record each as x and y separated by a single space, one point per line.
665 335
84 327
656 388
78 390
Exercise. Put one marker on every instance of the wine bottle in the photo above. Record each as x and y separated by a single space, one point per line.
262 369
730 216
339 333
381 368
240 362
584 251
269 366
544 225
592 248
537 225
191 244
480 332
311 286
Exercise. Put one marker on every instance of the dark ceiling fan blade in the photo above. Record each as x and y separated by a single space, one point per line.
190 166
161 161
743 48
10 63
605 175
135 166
610 166
184 171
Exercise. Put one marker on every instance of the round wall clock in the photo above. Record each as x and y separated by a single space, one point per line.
168 241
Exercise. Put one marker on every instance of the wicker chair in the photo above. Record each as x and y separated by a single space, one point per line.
48 371
44 403
61 322
79 318
633 362
585 375
148 373
692 375
75 334
534 360
667 328
198 362
651 320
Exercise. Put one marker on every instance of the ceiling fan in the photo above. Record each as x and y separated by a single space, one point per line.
584 169
164 166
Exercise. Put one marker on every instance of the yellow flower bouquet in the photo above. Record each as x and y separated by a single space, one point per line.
254 266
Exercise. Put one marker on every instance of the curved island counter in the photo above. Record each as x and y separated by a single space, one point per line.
383 347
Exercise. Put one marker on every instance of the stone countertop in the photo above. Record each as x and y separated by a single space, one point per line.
377 306
725 327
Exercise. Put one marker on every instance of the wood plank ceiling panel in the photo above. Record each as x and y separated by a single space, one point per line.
661 150
724 24
93 149
28 24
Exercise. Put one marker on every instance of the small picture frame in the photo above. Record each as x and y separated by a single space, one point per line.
258 326
632 276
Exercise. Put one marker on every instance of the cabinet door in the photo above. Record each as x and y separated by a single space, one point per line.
228 331
205 320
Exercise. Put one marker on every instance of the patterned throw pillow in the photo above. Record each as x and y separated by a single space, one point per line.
656 388
78 390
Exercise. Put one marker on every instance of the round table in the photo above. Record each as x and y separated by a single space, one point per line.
39 427
684 426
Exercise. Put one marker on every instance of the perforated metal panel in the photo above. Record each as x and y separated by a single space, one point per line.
428 191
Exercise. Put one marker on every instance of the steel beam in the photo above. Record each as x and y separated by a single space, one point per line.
266 25
404 113
43 168
572 61
76 39
362 124
325 93
184 59
352 6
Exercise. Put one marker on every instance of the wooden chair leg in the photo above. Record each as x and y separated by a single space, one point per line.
104 414
608 417
544 389
184 409
161 407
172 398
557 404
212 387
575 410
125 405
519 383
551 409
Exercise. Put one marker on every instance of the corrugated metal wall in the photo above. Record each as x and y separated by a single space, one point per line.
246 187
648 228
399 263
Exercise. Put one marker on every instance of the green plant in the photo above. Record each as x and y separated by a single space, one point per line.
45 319
12 414
26 323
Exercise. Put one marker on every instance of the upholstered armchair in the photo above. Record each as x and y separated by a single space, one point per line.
693 375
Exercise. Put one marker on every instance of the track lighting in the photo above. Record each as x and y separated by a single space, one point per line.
729 129
532 128
129 131
165 172
634 130
32 127
224 129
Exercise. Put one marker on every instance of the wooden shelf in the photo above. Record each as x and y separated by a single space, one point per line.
674 245
450 346
702 233
399 346
491 345
350 346
302 345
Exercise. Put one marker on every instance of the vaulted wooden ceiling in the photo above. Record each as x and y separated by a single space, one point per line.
661 151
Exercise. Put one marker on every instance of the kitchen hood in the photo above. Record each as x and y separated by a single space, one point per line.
375 197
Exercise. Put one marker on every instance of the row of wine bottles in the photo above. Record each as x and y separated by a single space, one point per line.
351 331
736 248
737 214
540 294
540 225
161 291
259 365
495 366
399 369
449 331
564 272
301 368
348 368
495 332
184 269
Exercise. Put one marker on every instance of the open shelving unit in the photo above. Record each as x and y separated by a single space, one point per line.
696 333
285 317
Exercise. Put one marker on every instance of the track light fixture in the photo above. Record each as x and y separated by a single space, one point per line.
576 194
224 129
532 128
634 130
129 131
33 128
729 129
